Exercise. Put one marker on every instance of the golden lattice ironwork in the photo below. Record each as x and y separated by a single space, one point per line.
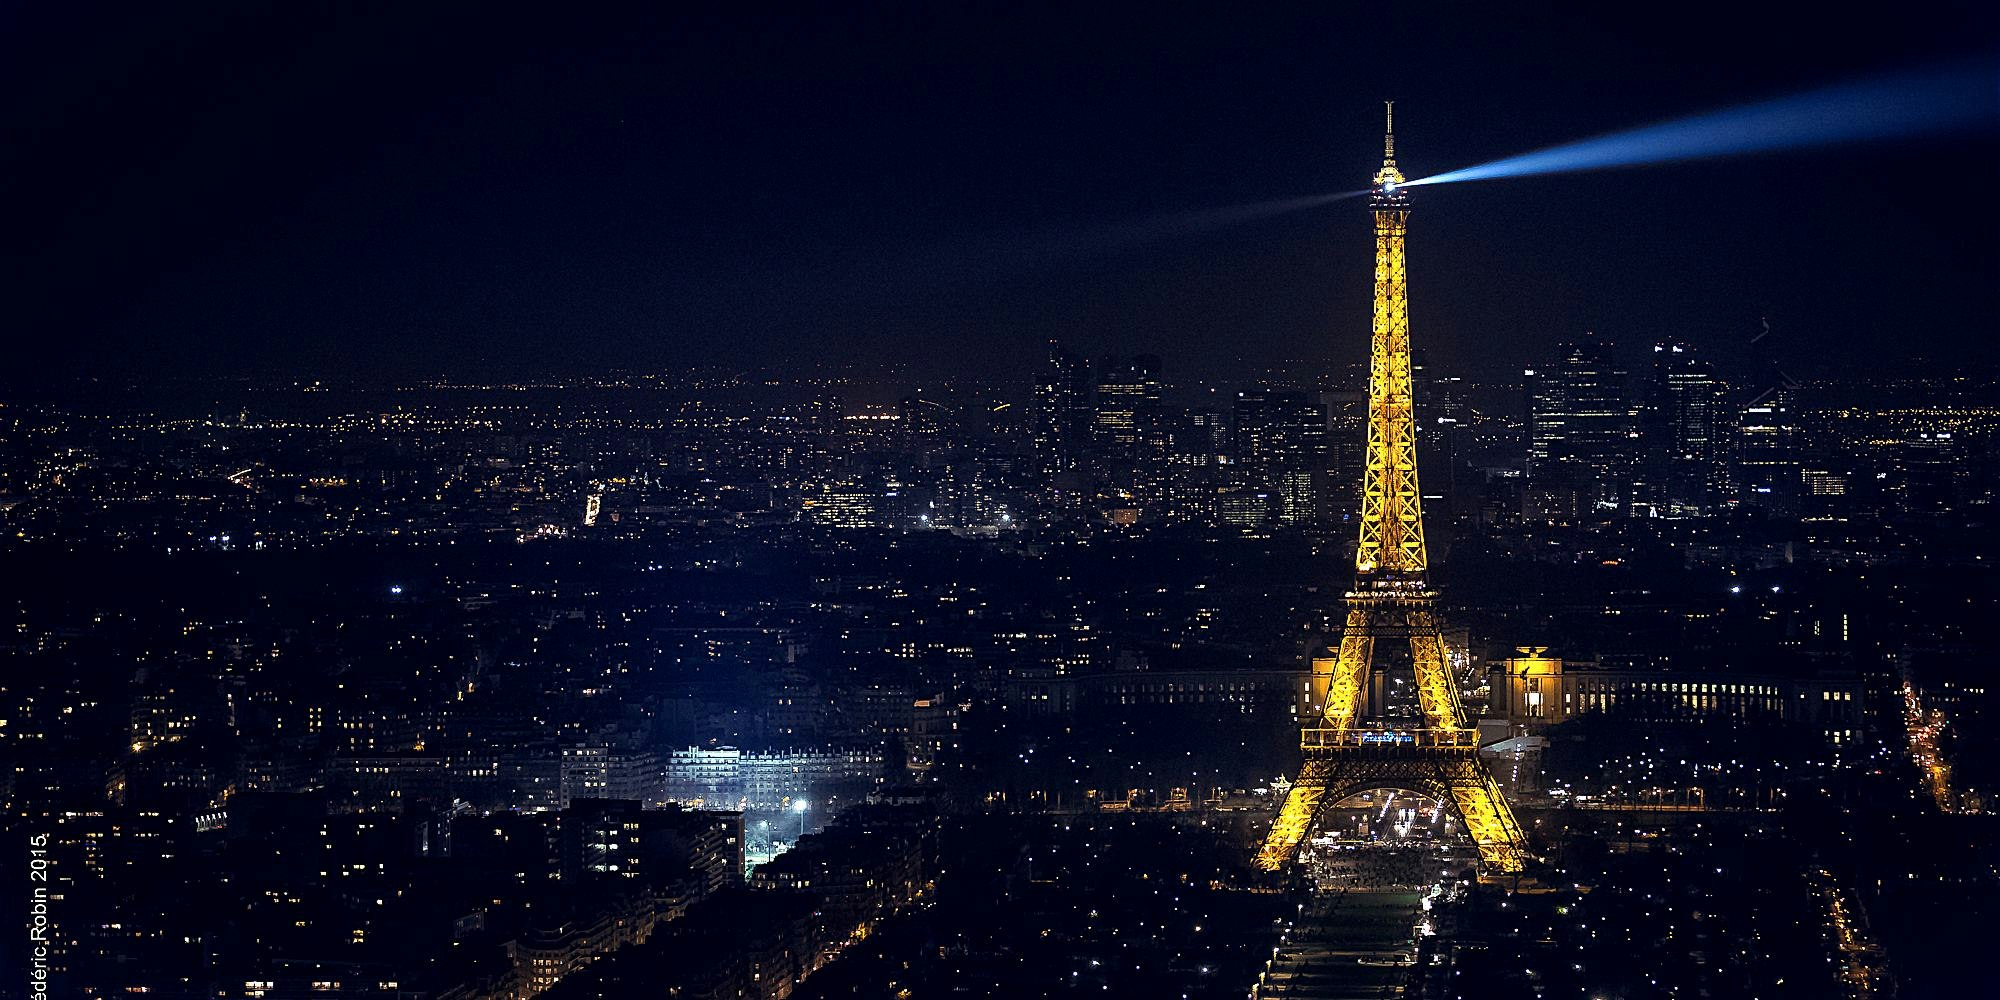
1392 600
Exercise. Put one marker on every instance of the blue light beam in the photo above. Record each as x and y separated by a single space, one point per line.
1957 99
1136 232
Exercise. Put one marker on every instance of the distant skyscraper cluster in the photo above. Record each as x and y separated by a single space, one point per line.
1672 439
1118 434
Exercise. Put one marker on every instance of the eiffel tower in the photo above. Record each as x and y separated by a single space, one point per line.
1391 600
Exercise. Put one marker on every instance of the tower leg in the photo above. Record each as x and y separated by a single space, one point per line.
1488 818
1437 691
1357 647
1295 820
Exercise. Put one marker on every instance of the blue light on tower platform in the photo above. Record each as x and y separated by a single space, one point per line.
1388 737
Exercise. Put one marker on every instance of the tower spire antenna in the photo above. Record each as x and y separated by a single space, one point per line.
1388 182
1389 133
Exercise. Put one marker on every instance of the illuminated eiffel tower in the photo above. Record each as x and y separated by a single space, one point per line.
1392 600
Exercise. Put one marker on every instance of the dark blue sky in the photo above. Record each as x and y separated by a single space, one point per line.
409 189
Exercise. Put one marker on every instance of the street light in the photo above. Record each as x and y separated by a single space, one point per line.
799 806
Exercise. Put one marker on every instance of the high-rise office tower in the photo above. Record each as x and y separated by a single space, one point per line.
1062 405
922 417
1442 412
1767 449
1128 406
1767 436
1684 423
1580 429
1197 442
1347 444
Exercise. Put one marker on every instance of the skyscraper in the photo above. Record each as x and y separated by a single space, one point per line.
1347 442
1580 432
1062 406
1127 419
1684 422
1767 434
1441 444
921 417
1767 450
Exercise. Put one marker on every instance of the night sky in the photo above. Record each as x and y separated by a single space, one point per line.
406 190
